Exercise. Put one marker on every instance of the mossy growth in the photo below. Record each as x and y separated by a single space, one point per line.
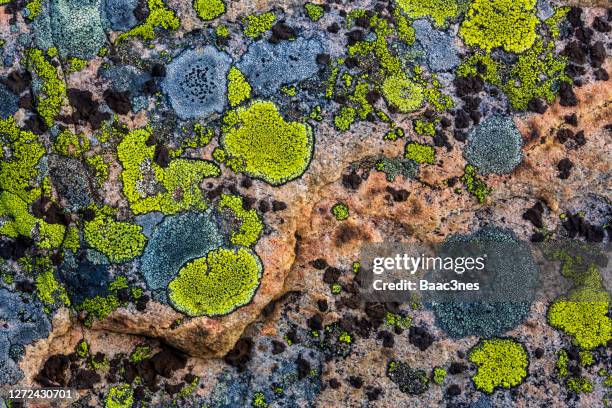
119 396
217 284
345 118
82 349
160 16
180 179
69 144
53 89
259 400
259 142
315 12
141 352
474 184
208 10
424 127
579 385
257 24
420 153
562 364
439 375
33 8
439 11
119 241
340 211
502 363
76 65
238 88
510 24
403 93
250 225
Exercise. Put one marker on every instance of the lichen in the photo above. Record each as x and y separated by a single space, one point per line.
238 88
403 93
217 284
314 11
119 241
257 24
340 211
259 142
510 24
440 11
502 363
250 225
474 185
160 16
53 89
420 153
208 10
120 396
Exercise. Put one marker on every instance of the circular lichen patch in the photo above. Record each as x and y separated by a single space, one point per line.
502 363
217 284
494 146
259 142
403 93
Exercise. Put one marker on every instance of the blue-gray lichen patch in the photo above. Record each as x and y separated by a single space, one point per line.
22 323
8 102
269 66
438 47
196 82
76 27
175 241
510 268
120 13
494 146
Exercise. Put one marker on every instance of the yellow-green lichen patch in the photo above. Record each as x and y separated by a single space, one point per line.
209 9
120 396
420 153
238 88
217 284
259 142
18 170
510 24
180 180
440 11
502 363
582 314
53 89
257 24
249 226
160 16
474 184
404 94
69 144
340 211
314 11
18 221
119 241
49 290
